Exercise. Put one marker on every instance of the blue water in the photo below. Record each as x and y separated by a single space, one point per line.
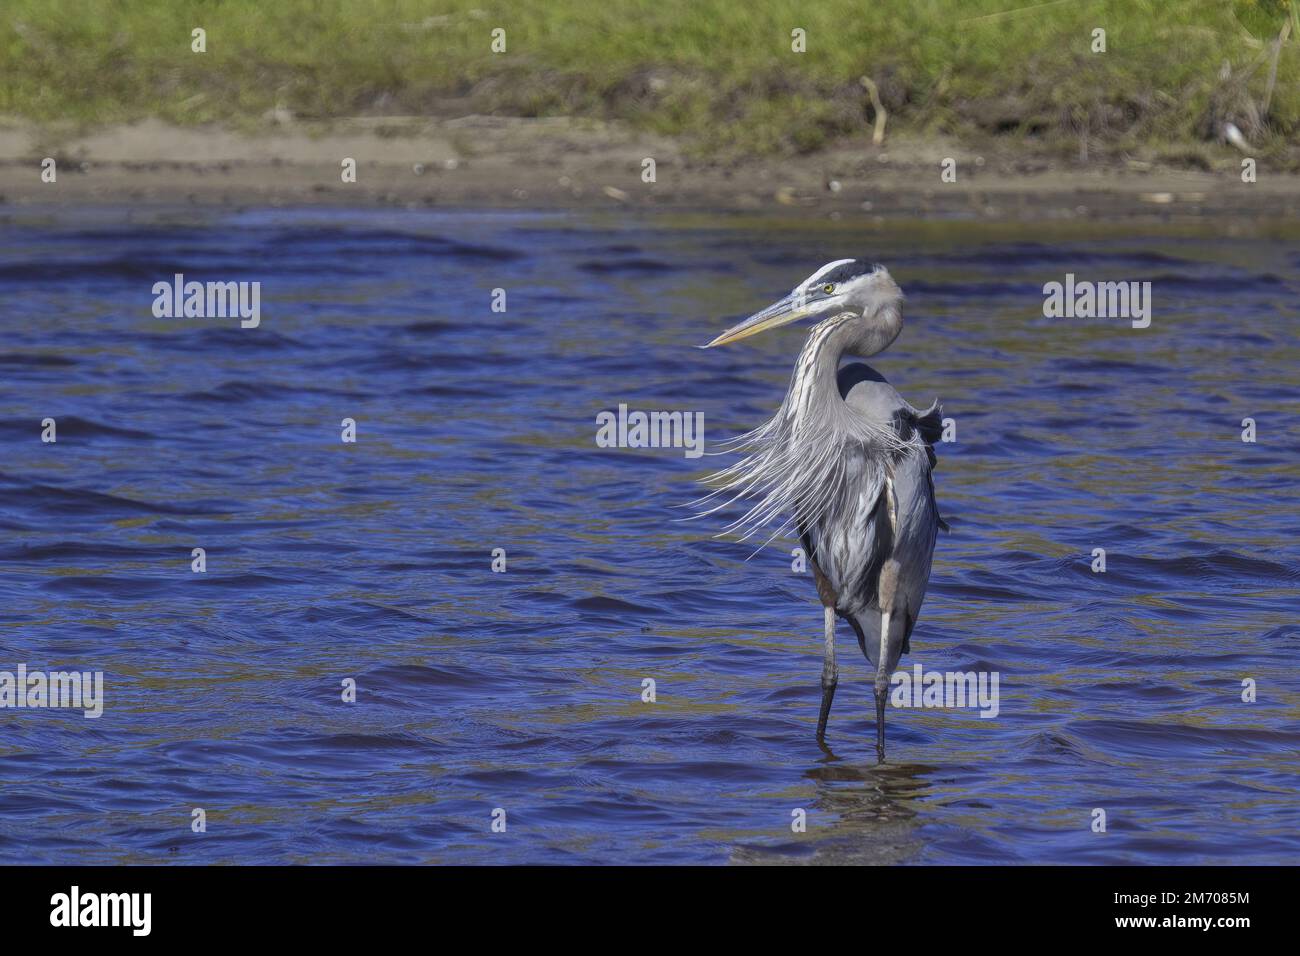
522 690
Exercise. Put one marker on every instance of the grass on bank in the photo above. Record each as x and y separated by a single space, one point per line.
719 73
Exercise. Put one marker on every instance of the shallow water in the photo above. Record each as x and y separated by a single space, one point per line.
522 690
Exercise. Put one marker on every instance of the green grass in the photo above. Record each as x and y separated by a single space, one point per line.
719 73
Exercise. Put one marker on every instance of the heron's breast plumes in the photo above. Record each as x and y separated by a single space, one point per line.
801 465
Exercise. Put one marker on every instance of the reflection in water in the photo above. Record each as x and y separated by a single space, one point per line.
523 690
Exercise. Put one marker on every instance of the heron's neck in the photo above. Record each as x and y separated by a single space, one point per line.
815 383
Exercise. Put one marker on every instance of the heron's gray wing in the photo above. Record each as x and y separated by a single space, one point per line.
916 514
910 541
868 393
917 527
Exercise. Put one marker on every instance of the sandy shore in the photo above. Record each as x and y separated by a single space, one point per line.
557 163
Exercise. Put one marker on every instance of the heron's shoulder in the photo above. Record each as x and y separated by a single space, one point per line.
869 394
867 391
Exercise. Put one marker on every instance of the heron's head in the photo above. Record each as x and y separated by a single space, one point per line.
844 286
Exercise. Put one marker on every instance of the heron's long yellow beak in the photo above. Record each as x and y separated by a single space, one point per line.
780 313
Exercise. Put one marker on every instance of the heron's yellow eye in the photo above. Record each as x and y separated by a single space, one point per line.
828 288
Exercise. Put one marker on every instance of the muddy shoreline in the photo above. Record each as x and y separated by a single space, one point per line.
495 162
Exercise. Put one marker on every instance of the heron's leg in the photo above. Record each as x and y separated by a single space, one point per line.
830 674
886 590
882 686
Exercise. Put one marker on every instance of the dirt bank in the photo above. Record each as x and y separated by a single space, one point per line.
481 161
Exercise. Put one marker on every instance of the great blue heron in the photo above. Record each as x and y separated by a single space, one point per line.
846 461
